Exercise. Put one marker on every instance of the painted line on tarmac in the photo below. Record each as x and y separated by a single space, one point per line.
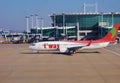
112 52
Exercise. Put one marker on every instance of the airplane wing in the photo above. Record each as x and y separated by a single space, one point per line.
75 48
78 47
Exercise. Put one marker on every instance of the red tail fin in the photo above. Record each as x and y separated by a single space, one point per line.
111 36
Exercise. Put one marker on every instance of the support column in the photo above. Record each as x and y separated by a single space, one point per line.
78 37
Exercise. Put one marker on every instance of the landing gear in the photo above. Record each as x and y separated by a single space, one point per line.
70 52
37 52
74 52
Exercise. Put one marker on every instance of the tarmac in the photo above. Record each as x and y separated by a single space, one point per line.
18 64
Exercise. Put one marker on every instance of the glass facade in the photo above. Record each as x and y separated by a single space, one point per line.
95 22
86 21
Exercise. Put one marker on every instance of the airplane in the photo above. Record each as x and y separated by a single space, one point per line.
70 47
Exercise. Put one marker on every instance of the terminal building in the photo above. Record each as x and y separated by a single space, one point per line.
79 25
91 25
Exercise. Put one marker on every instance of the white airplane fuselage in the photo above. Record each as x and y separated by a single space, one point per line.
62 46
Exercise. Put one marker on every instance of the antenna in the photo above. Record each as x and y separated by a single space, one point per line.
90 5
96 8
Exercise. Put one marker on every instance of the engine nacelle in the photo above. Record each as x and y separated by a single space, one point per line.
63 50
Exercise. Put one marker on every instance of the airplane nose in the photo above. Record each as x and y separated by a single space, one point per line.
30 47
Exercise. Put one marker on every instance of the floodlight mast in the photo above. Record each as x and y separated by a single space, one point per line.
36 23
32 21
27 24
42 25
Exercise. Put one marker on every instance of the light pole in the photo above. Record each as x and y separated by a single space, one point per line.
102 23
36 23
32 21
27 24
64 24
54 20
42 25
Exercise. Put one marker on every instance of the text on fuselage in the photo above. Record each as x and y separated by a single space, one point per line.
51 46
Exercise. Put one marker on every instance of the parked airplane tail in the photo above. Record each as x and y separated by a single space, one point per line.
112 35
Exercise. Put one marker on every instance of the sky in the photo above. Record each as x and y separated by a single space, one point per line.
13 12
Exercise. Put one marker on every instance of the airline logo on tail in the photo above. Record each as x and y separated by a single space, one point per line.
111 36
114 32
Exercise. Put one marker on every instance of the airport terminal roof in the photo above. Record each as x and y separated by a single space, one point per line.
87 13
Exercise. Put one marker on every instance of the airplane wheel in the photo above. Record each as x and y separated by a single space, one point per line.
69 53
38 52
74 51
